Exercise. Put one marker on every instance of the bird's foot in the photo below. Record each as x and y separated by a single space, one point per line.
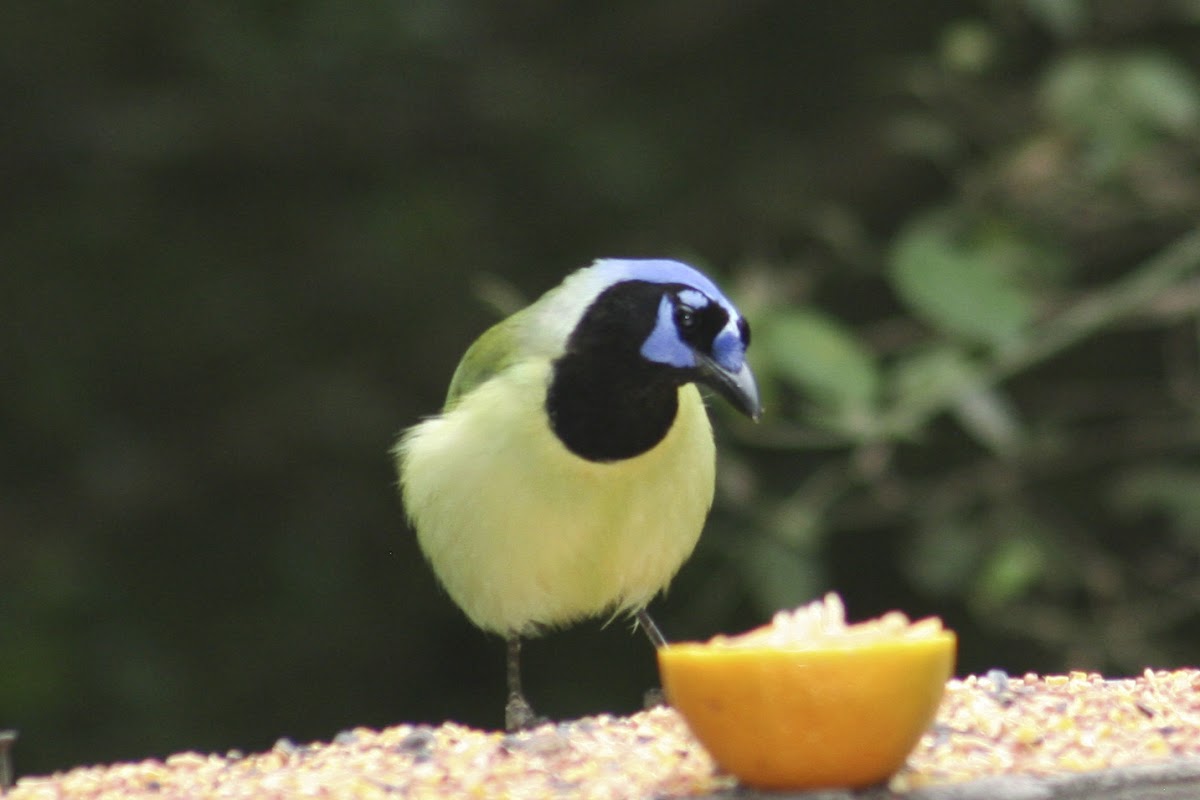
519 715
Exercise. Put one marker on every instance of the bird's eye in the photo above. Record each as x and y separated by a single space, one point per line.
685 318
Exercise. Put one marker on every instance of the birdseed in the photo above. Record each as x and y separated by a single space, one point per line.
991 725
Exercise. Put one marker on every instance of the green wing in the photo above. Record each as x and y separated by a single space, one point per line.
490 354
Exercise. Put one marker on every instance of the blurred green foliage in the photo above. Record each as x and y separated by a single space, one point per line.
241 247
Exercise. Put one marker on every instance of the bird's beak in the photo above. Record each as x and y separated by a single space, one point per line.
738 387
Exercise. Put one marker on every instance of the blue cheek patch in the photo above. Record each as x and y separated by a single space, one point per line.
663 345
729 350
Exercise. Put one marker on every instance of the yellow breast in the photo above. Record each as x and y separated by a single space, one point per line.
523 533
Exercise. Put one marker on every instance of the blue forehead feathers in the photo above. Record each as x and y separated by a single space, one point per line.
659 270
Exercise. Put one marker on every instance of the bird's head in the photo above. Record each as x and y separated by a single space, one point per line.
673 318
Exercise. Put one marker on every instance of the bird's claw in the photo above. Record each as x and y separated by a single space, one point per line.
519 715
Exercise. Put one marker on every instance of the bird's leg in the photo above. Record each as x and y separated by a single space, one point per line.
653 697
518 715
7 738
647 624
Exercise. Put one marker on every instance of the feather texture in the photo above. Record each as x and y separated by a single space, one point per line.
524 534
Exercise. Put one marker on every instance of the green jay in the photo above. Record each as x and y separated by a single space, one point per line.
572 467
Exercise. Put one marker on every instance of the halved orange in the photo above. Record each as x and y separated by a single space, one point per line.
809 701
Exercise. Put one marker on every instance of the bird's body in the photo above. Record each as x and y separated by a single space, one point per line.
572 468
576 538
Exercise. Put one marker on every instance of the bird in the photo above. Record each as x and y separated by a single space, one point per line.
572 467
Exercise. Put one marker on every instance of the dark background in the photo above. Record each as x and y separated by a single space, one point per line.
243 245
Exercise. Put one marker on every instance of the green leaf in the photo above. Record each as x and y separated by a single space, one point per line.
1075 91
926 382
1009 571
964 279
1160 91
820 356
968 46
1066 18
943 377
932 374
986 413
1117 105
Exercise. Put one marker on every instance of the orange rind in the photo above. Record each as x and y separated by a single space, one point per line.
809 701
